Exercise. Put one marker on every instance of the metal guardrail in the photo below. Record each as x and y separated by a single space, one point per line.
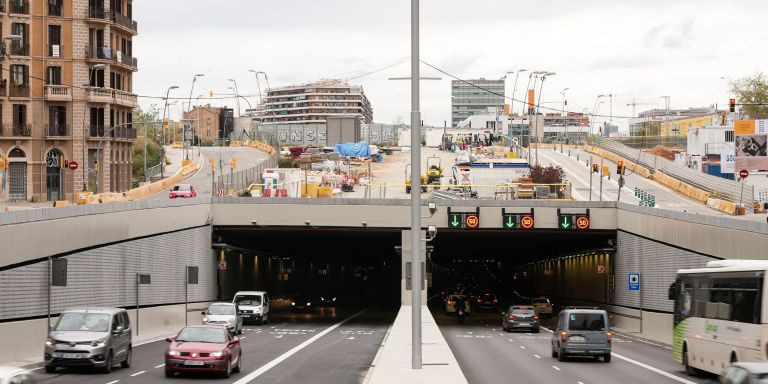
724 189
240 180
152 172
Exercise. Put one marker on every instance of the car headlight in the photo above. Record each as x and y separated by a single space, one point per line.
334 299
99 343
217 354
205 319
174 353
231 321
322 298
292 303
50 342
308 304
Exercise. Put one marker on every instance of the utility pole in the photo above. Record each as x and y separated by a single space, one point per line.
666 114
416 357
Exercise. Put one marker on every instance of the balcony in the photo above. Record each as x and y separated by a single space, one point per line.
54 9
99 95
97 131
19 7
19 50
17 130
19 90
125 99
98 14
98 53
125 22
56 130
123 132
58 93
125 60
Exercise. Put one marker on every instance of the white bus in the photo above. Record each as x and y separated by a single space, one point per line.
720 315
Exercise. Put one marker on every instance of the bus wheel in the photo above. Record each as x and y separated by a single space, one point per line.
690 371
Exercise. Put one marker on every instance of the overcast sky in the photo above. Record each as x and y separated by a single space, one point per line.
634 49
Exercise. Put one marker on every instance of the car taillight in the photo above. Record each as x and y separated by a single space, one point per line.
563 336
479 301
610 336
535 317
495 301
512 317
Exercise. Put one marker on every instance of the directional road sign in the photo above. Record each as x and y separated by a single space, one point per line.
463 220
518 221
573 221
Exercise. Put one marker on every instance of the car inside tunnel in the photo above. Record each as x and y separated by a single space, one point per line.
361 266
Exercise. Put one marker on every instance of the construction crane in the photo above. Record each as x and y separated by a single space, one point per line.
634 104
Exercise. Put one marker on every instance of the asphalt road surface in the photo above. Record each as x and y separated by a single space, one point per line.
487 354
277 352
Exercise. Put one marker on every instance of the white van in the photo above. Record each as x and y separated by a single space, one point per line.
254 306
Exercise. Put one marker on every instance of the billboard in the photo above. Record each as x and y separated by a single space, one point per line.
751 145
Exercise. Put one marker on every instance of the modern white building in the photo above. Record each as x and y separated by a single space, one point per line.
314 103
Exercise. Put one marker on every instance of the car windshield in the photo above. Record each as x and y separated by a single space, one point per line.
248 300
202 335
586 322
221 309
89 322
182 188
524 312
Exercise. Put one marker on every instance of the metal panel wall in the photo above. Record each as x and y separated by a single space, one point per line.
657 264
106 276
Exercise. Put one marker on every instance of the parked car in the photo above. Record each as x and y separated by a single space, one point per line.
183 191
254 306
582 332
450 303
302 303
520 317
226 315
745 373
487 302
16 375
542 306
94 337
203 348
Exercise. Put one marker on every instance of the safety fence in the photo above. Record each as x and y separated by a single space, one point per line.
738 194
236 183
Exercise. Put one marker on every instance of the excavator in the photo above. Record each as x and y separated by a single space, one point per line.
434 171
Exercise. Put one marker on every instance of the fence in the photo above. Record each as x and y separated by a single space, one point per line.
237 181
652 141
152 172
724 189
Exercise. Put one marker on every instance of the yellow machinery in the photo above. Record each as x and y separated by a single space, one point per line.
408 180
434 171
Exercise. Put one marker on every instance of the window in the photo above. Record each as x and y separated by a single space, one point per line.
54 40
20 47
97 78
729 136
20 75
54 76
115 322
54 7
586 322
734 299
126 320
19 115
57 116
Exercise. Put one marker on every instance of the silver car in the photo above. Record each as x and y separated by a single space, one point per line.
90 337
582 331
224 314
520 317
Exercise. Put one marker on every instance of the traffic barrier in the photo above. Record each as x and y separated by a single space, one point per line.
61 203
679 186
146 190
628 164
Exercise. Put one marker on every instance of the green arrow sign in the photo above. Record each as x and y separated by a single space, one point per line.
510 223
566 222
455 221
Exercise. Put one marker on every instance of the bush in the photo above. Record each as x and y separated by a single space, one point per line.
153 156
547 175
286 162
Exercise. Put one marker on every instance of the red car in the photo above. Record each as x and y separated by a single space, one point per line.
183 191
203 348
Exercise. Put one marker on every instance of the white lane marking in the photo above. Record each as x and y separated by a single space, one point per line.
547 329
555 367
156 366
654 369
510 339
579 382
501 334
138 373
522 347
537 356
266 367
242 338
113 382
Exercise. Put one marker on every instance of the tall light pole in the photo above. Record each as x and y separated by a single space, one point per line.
415 191
666 114
525 101
237 95
565 120
594 111
538 107
189 105
256 74
162 145
85 109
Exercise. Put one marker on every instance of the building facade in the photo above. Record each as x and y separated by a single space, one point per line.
211 124
314 103
472 97
66 93
654 122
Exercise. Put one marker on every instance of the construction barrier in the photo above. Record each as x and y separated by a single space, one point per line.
677 185
144 191
629 165
723 206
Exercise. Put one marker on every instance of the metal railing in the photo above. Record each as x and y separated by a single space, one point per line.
19 90
124 59
19 49
96 131
55 50
152 171
19 6
56 130
98 13
238 181
101 53
724 189
54 9
124 21
21 130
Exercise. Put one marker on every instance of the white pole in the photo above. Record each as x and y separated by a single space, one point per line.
415 191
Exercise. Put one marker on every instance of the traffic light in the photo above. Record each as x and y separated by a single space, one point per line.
165 124
732 105
620 168
595 168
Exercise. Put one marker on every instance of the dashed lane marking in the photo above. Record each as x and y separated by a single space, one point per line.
114 382
654 369
522 347
555 367
156 366
138 373
537 356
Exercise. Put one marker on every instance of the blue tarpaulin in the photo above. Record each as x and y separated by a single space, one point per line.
359 149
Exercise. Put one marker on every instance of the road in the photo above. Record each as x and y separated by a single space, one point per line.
575 167
342 355
247 157
487 354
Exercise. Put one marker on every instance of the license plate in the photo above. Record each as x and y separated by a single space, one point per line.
70 355
576 339
193 362
524 324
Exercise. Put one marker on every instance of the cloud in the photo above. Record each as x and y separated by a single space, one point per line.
671 35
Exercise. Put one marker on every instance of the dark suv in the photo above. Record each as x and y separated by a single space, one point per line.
487 302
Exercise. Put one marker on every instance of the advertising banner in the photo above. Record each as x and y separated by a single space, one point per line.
751 145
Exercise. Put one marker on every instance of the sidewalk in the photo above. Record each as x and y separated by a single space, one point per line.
393 363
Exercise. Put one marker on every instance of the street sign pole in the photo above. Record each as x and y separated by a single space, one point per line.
743 174
589 168
601 178
415 192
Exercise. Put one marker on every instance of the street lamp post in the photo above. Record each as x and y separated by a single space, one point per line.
256 74
565 120
189 105
594 110
666 114
512 106
538 108
416 358
162 146
85 109
237 94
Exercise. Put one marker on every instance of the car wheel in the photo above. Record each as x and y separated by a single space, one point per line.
108 367
554 353
228 372
560 355
168 372
50 369
607 358
237 367
127 362
536 330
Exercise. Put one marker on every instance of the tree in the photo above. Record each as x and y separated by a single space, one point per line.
547 175
752 91
142 121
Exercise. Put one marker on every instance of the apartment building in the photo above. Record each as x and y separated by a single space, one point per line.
314 103
66 95
211 124
475 97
